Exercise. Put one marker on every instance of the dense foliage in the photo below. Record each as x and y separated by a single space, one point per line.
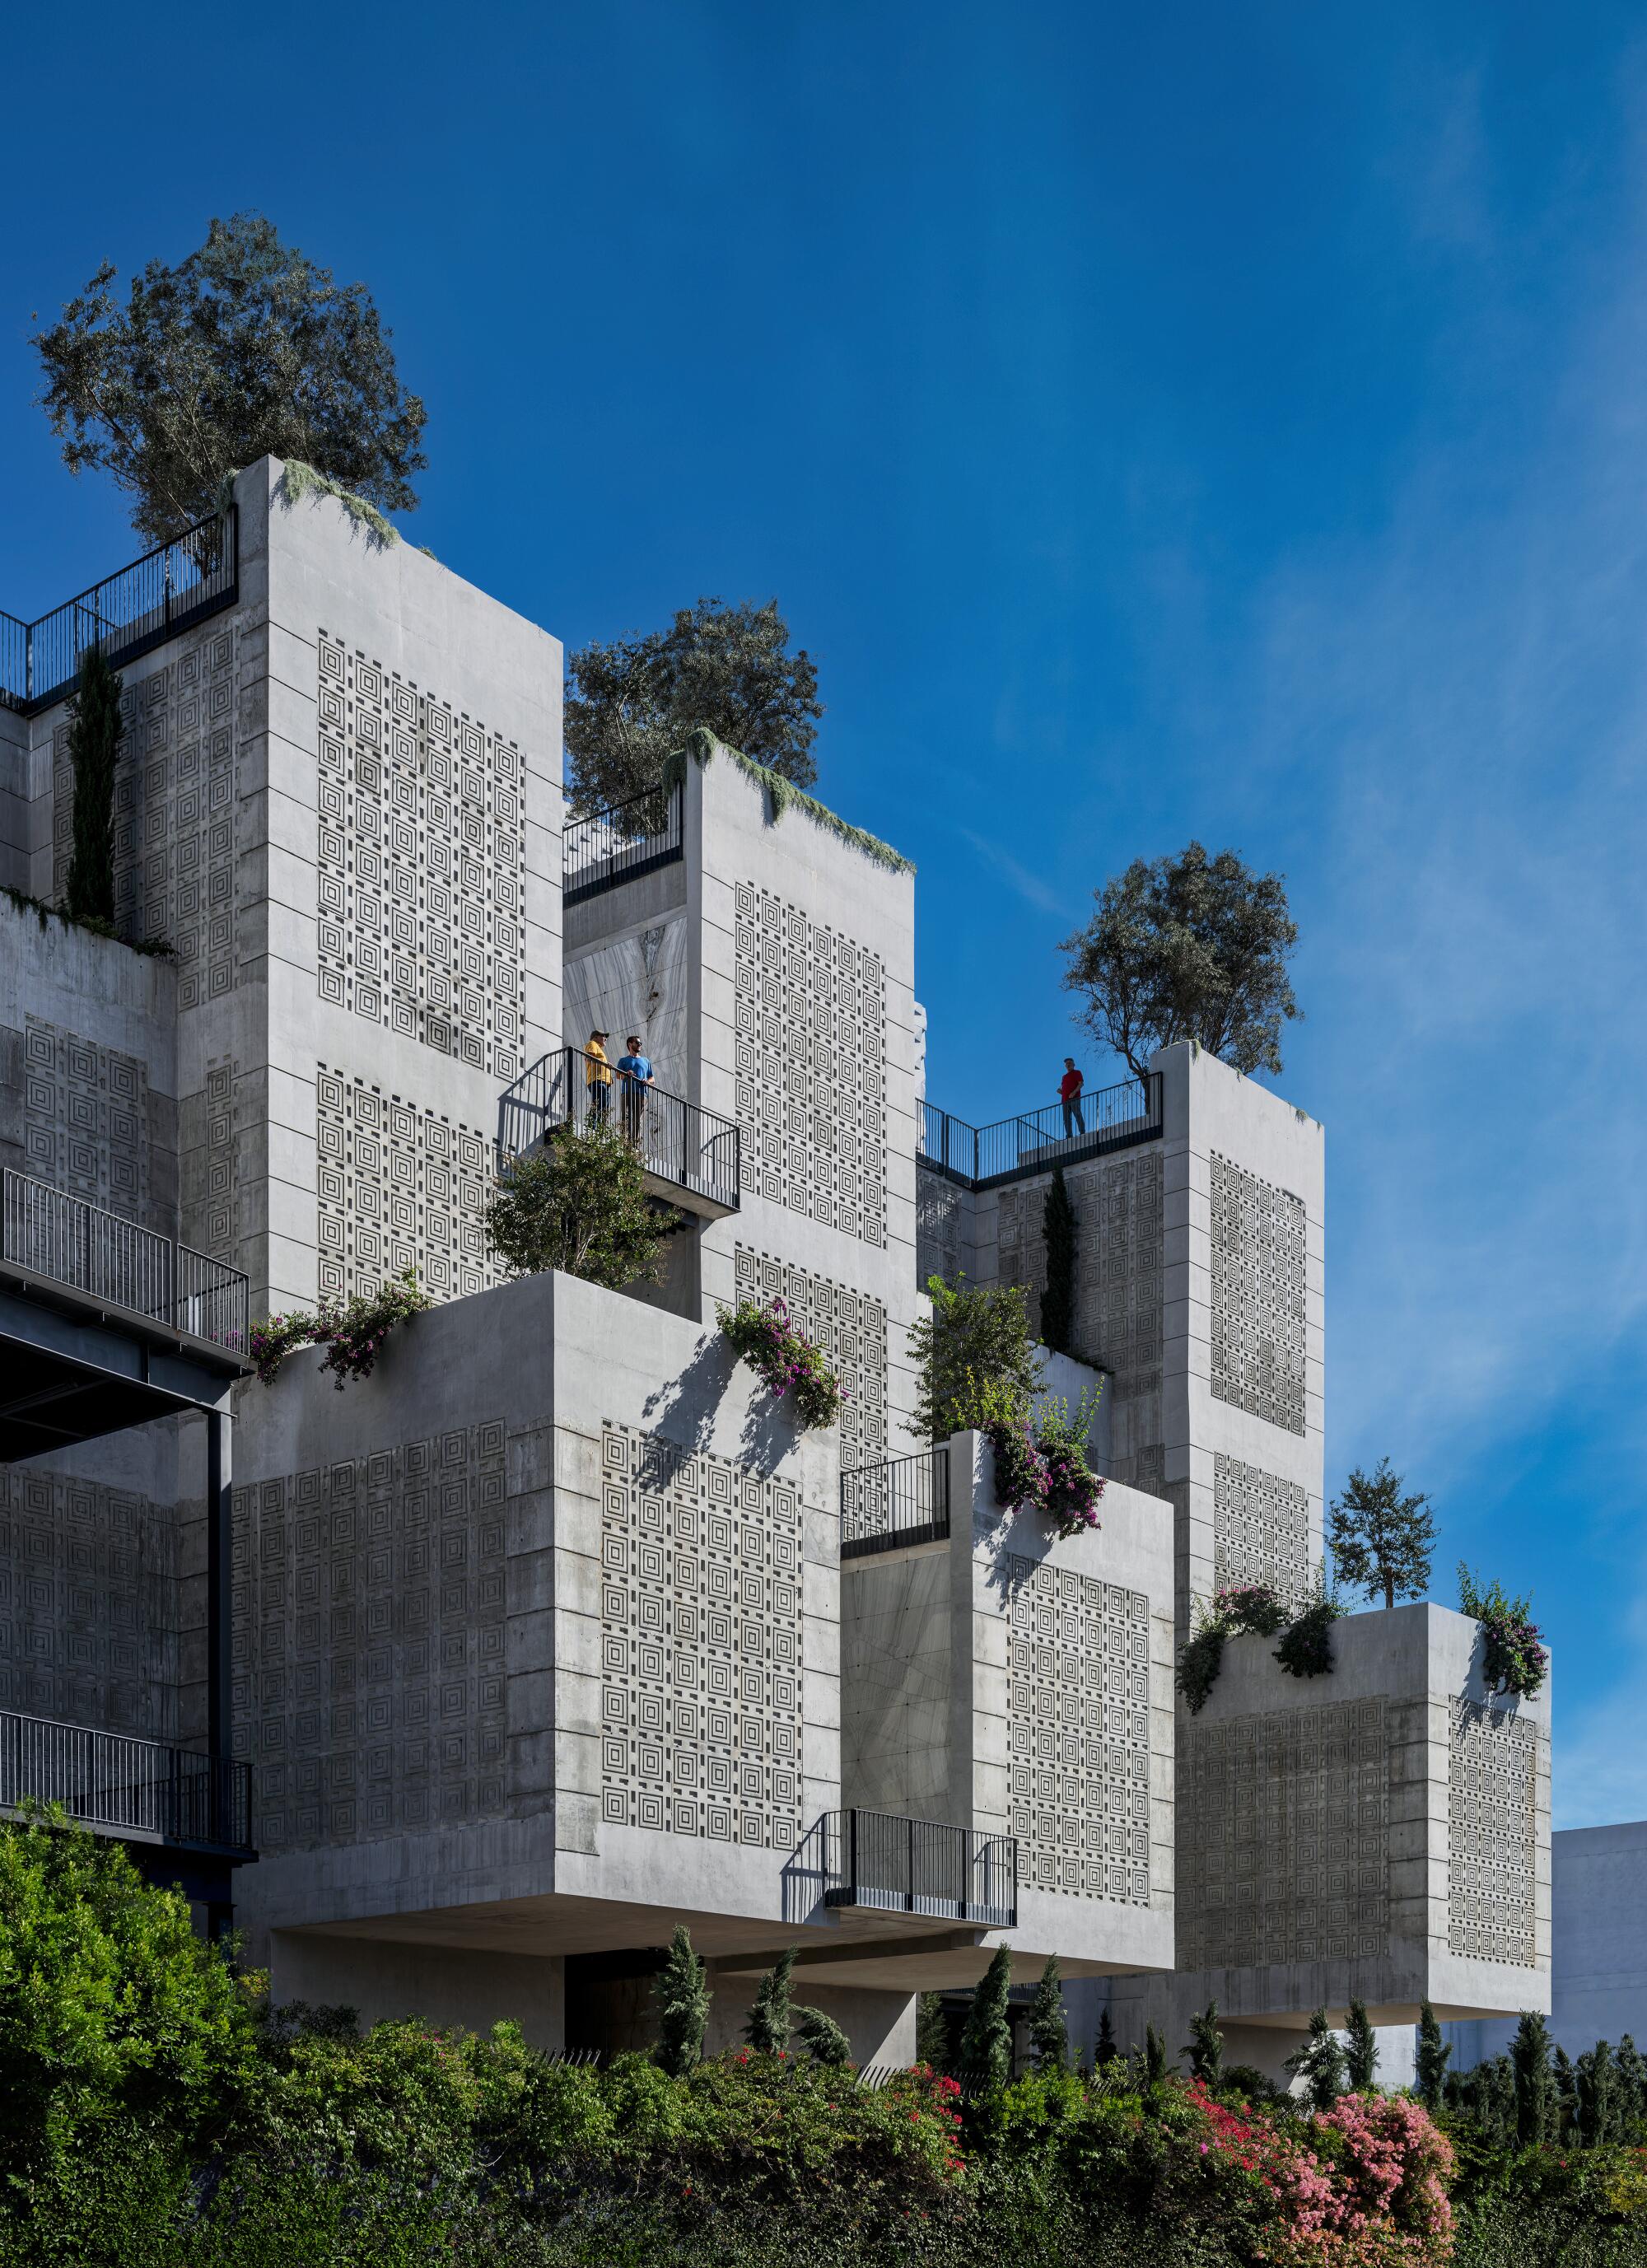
95 731
976 1341
1244 1607
245 350
1187 948
784 1359
353 1331
1057 1301
1382 1539
630 703
578 1203
1515 1657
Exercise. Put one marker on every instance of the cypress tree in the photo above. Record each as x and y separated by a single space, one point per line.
1049 2034
1205 2049
1430 2063
822 2037
986 2039
682 1994
1154 2057
95 729
767 2030
1361 2050
1598 2109
1319 2064
1057 1301
1107 2049
1536 2105
1630 2071
931 2031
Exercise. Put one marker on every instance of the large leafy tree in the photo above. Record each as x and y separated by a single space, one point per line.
245 348
1193 947
1382 1539
974 1345
578 1203
630 703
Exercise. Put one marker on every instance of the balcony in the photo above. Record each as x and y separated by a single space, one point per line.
690 1158
129 1787
611 847
888 1507
104 1324
1103 1119
874 1860
166 590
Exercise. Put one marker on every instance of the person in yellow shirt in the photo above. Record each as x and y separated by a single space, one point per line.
598 1078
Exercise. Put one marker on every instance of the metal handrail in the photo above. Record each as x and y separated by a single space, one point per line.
981 1157
72 1241
604 848
120 1780
679 1141
898 1864
167 590
899 1502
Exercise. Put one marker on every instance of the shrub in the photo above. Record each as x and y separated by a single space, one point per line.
1516 1660
578 1203
784 1359
1306 1645
352 1331
976 1338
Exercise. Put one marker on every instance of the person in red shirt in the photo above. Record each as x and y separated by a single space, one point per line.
1070 1094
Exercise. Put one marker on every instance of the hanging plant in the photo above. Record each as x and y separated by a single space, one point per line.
1516 1661
1305 1650
352 1331
787 1363
1039 1466
1306 1645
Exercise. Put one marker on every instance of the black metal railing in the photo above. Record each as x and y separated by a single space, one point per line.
901 1501
680 1142
81 1245
609 847
165 590
1104 1118
919 1865
113 1780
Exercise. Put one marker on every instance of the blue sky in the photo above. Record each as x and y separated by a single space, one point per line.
1196 420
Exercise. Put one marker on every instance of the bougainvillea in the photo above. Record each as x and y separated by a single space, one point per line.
1039 1466
352 1331
784 1359
1516 1659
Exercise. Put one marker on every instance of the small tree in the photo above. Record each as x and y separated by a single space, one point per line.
629 704
1630 2069
1049 2034
986 2039
95 730
931 2031
1154 2058
682 1995
975 1340
1319 2064
1361 2050
1107 2049
1057 1301
1595 2096
1431 2062
1188 948
822 2038
1205 2049
578 1203
243 350
1382 1541
1537 2108
767 2030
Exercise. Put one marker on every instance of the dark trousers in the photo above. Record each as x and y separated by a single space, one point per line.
1074 1119
600 1102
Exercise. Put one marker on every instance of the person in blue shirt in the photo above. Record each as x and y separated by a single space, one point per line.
635 1071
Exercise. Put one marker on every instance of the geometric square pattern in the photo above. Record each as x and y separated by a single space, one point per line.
1283 1836
1492 1820
399 1188
701 1644
938 1223
848 1328
1258 1302
1078 1732
422 866
174 810
88 1603
86 1119
1260 1530
811 1049
213 1122
370 1634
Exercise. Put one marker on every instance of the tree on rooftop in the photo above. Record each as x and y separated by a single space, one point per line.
631 703
578 1203
1187 948
1382 1541
245 348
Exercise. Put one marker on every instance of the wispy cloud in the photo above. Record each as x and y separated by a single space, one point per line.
1031 887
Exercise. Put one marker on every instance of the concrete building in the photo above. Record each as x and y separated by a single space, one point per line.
465 1684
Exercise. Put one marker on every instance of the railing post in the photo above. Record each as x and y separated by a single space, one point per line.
909 1902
